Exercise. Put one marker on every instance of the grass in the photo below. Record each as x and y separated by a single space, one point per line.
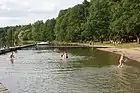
66 43
28 42
103 44
123 45
127 45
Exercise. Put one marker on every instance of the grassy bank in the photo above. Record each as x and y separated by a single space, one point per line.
123 45
28 42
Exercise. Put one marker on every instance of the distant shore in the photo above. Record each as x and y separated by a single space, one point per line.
131 50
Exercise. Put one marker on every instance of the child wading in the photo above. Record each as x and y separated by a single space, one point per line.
121 60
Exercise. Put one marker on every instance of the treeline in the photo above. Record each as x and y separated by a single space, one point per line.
38 31
97 20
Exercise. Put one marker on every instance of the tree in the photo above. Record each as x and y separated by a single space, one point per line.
37 29
48 33
71 22
126 18
99 18
61 24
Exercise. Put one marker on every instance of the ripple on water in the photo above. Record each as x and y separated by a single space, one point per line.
44 71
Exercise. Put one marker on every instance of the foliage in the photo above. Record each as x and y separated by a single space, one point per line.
97 20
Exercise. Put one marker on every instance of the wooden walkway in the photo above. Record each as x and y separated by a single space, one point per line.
74 47
10 49
78 46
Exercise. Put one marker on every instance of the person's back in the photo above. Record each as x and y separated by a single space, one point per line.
12 55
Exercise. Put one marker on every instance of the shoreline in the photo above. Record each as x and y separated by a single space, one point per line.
132 53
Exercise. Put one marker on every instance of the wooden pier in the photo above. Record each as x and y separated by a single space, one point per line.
3 89
73 46
10 49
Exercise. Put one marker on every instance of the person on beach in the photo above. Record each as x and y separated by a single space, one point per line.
12 58
121 60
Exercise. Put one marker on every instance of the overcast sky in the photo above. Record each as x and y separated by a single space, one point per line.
15 12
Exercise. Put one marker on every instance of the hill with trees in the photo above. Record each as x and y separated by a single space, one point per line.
97 20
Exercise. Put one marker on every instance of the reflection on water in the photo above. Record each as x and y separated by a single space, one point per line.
85 71
12 60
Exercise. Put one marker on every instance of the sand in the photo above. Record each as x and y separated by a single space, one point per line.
132 53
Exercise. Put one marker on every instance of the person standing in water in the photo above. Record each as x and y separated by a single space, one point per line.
121 60
12 58
64 55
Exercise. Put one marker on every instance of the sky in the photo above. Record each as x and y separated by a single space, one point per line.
20 12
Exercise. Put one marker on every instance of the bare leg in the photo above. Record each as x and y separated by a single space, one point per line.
121 64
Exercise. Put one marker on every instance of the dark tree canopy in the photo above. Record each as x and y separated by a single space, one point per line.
95 20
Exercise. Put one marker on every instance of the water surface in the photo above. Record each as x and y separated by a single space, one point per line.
85 71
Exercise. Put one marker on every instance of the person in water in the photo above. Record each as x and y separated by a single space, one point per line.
12 58
64 55
121 61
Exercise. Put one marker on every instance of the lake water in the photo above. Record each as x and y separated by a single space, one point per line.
85 71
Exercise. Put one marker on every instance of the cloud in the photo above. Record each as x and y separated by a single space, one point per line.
1 2
13 12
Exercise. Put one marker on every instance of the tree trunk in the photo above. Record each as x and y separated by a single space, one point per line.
138 39
102 40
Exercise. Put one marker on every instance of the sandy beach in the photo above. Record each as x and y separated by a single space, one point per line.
132 53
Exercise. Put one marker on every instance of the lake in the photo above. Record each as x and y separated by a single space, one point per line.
86 70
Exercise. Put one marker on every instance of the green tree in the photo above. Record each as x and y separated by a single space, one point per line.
99 18
71 22
37 29
48 33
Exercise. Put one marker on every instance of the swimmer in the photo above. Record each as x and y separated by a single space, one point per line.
12 58
64 55
12 55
